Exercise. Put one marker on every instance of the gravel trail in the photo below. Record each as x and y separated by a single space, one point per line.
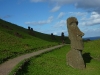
6 67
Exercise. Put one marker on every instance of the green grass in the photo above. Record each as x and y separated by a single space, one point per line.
93 47
17 67
54 62
12 45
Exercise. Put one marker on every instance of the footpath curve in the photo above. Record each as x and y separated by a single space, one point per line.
6 67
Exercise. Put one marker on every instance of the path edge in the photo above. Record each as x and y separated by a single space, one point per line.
25 61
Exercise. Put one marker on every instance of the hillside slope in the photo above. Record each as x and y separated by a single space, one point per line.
16 40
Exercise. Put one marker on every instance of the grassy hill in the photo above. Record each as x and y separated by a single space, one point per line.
16 40
54 63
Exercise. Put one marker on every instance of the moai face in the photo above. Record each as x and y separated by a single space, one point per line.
75 35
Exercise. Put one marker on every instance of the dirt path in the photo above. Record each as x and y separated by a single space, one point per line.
7 66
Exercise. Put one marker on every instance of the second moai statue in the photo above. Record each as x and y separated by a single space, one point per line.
74 56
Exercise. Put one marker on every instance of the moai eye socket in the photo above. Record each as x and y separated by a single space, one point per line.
77 23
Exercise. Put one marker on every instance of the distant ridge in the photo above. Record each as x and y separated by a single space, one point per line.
92 38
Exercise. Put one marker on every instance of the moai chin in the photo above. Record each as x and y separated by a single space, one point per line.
74 56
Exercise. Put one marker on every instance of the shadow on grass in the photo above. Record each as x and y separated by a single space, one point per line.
24 69
87 58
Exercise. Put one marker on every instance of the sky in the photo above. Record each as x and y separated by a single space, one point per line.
49 16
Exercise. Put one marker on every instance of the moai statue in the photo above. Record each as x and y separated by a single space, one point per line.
52 36
62 38
29 28
74 56
30 31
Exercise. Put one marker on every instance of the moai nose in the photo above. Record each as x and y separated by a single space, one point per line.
82 34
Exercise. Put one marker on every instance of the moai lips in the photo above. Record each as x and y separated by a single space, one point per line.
74 56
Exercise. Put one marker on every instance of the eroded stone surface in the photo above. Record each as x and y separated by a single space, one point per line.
74 56
75 59
75 35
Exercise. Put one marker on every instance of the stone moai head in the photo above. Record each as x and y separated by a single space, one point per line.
29 28
75 35
62 34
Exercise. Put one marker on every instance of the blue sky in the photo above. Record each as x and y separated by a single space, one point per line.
49 16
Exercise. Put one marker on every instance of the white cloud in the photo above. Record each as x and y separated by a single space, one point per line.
77 14
55 33
59 31
56 8
37 1
95 15
88 5
85 20
49 20
60 24
91 32
94 19
6 16
61 15
57 2
61 2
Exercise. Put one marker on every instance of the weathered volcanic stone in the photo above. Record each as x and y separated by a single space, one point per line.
75 35
75 59
74 56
